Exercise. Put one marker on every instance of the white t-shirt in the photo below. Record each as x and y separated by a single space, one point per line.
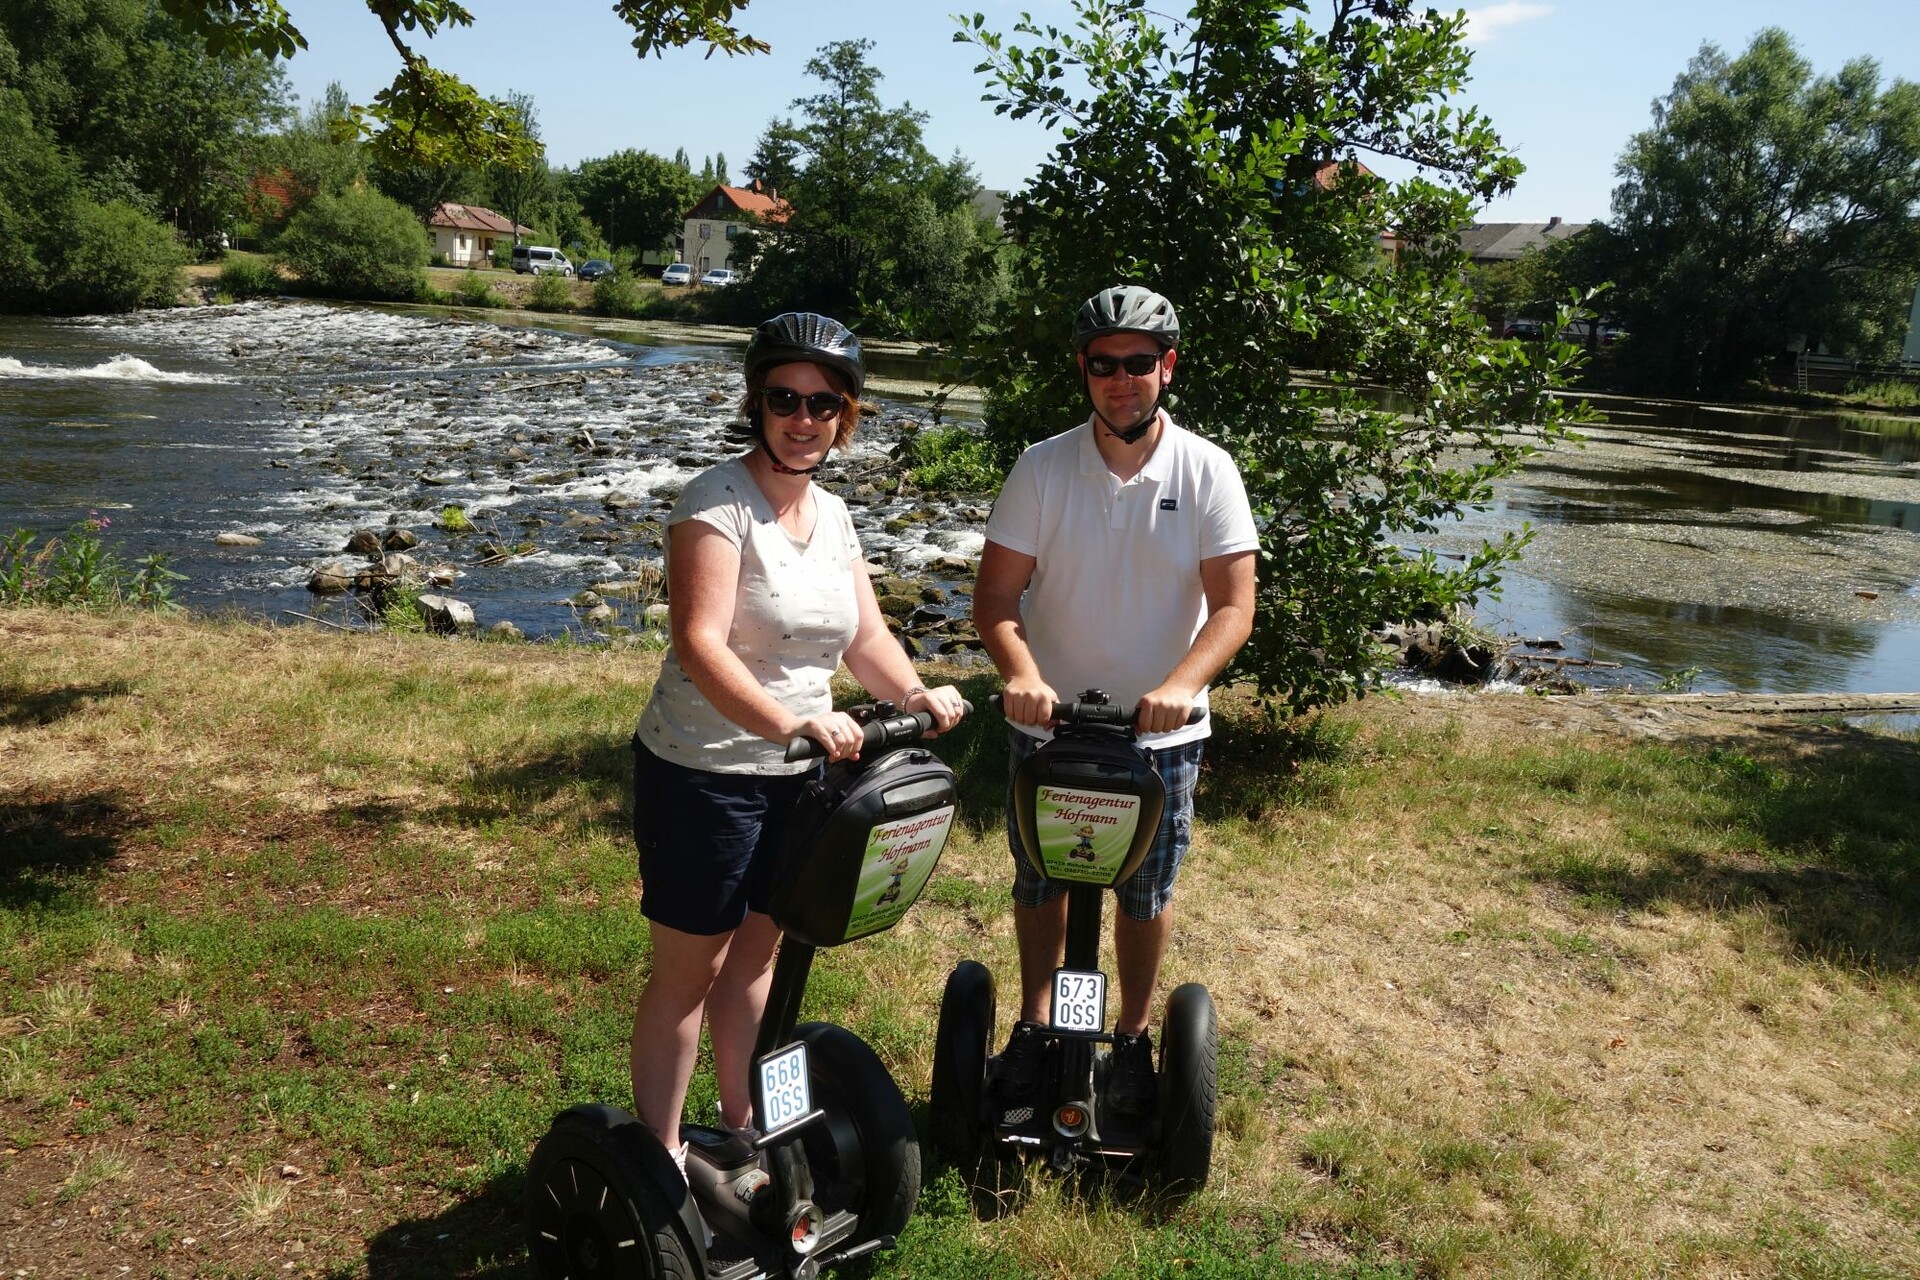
794 615
1116 599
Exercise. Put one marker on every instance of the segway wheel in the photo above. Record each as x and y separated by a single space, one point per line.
960 1064
1189 1089
594 1210
864 1154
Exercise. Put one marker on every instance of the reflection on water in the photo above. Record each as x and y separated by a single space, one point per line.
1731 549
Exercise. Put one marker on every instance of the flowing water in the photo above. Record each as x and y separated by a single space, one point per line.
1726 549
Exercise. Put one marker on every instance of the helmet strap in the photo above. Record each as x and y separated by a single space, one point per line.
781 467
1130 435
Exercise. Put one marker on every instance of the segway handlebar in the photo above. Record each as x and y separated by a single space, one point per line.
1096 712
882 733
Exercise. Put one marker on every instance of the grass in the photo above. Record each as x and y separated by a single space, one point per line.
1499 996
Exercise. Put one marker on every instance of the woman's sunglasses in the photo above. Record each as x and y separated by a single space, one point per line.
1136 366
784 402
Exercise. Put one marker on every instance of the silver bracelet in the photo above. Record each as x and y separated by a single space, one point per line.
919 688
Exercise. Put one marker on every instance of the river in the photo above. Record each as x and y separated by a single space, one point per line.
1717 548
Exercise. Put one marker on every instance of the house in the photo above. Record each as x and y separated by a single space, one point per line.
1489 242
713 224
465 234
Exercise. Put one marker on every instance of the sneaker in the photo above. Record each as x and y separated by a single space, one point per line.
1014 1074
1132 1089
679 1155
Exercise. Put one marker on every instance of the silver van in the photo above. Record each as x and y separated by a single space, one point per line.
538 259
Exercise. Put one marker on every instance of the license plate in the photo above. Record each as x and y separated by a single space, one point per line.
785 1091
1079 1000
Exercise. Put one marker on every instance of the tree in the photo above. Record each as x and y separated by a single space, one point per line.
1764 206
1215 158
870 230
776 157
427 118
518 191
635 197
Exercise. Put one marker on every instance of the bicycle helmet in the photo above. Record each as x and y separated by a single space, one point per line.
1126 308
804 336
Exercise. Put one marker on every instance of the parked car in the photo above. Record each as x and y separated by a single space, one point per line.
1530 330
539 260
596 269
719 277
678 273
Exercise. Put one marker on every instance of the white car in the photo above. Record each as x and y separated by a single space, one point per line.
720 277
678 273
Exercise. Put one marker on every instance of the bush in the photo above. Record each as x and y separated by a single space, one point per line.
243 278
474 291
117 258
953 458
551 292
79 571
617 296
358 244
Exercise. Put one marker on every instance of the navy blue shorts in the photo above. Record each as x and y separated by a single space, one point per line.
1146 893
708 841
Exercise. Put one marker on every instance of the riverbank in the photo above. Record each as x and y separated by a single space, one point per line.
307 935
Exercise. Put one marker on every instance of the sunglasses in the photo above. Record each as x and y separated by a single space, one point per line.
1136 366
784 402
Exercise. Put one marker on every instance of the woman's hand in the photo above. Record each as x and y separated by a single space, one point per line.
944 704
837 731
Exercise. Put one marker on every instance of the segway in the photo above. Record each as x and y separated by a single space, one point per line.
1087 805
835 1172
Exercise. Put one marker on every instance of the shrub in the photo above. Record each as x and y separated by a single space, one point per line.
249 277
474 291
358 244
953 458
79 570
616 296
551 292
117 258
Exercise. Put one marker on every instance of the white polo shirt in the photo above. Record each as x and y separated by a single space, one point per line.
1116 599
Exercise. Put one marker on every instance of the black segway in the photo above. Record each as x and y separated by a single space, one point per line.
1087 805
836 1170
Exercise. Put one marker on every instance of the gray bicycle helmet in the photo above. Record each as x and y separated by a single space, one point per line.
1126 308
804 336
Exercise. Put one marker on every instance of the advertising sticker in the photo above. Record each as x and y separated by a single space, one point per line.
1084 835
893 871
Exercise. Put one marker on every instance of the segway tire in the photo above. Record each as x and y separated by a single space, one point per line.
595 1206
960 1064
1189 1090
864 1153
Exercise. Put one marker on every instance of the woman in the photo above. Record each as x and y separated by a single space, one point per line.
769 594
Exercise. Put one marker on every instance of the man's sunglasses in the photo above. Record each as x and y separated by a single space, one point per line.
784 402
1136 366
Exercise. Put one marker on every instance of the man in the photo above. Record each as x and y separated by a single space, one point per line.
1119 556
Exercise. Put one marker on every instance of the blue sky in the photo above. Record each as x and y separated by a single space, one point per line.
1566 82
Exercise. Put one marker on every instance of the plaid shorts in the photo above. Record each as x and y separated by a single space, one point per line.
1146 893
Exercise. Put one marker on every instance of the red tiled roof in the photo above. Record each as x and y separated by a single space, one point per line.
754 200
471 217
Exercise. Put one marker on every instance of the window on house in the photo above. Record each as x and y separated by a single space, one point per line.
733 229
706 231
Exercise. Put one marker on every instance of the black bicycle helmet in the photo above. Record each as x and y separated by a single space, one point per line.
804 336
1126 308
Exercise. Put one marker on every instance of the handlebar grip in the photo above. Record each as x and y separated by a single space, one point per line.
895 730
1094 712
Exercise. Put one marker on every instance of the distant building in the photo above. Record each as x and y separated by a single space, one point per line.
715 223
989 205
1489 242
465 234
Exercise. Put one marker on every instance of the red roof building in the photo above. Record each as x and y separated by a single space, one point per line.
465 234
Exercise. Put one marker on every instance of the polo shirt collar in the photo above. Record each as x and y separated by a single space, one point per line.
1159 468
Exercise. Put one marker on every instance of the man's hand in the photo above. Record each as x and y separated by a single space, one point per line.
1164 709
1029 702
